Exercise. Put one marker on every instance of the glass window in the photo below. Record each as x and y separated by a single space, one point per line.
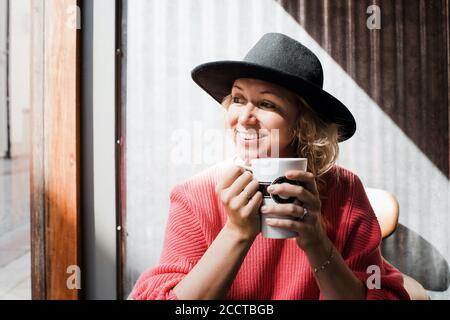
15 268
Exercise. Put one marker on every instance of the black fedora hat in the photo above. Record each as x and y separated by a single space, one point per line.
278 59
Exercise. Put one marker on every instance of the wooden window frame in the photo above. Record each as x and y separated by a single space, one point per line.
74 152
55 149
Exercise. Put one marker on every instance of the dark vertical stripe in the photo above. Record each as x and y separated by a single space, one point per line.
326 17
446 43
362 36
335 29
423 78
302 12
374 49
387 49
120 124
350 38
8 99
313 19
411 33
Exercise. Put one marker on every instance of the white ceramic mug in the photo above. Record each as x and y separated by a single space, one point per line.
271 171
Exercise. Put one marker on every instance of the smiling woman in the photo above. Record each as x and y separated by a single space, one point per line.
261 116
276 108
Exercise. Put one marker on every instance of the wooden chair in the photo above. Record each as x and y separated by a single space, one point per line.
386 208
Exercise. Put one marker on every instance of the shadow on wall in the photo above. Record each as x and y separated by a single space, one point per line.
416 257
402 66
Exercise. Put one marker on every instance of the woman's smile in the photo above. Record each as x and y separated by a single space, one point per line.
250 136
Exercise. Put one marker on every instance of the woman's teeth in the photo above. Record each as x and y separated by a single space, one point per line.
249 136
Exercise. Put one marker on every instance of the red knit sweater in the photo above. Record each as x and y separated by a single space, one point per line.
272 269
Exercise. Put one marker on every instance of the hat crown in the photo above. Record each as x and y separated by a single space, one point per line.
282 53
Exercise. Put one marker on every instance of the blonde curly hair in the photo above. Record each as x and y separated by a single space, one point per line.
317 141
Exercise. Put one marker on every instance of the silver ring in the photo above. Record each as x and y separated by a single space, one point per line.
305 212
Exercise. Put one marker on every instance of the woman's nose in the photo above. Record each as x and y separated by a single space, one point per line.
247 115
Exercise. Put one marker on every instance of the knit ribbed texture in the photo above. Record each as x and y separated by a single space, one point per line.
273 269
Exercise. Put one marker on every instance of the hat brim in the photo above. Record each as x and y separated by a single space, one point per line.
217 78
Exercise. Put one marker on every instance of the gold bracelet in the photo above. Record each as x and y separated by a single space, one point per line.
326 263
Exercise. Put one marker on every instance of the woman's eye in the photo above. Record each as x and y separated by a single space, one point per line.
237 100
267 104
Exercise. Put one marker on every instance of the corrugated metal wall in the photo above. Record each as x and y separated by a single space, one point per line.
403 66
394 80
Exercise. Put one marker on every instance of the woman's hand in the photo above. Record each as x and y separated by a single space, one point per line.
239 193
310 230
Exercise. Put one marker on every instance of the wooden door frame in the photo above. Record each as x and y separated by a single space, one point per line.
55 150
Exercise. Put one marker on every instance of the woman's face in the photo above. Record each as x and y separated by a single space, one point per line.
262 117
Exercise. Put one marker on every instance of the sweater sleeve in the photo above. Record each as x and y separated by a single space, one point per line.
184 244
362 252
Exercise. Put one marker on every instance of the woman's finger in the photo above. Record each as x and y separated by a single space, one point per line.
291 190
230 176
288 224
284 209
244 197
253 204
227 194
307 178
240 183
